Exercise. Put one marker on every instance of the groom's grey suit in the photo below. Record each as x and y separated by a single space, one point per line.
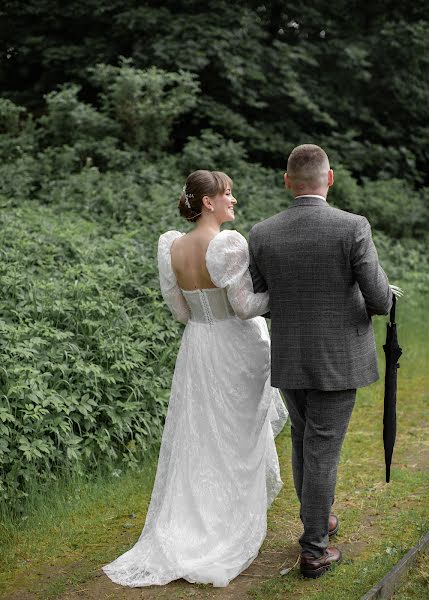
320 267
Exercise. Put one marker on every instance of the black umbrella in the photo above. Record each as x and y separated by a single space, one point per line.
392 351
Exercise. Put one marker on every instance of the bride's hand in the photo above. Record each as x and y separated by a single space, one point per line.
396 290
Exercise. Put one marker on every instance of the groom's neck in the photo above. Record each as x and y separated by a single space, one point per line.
310 193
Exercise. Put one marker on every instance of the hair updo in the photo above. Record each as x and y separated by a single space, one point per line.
199 184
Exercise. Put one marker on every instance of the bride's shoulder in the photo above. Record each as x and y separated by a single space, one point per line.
227 255
229 238
166 239
228 243
164 257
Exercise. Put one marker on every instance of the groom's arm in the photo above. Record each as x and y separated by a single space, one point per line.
259 283
258 280
372 280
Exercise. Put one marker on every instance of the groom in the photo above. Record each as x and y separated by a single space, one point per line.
320 267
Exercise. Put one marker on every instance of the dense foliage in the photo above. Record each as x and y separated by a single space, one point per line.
91 172
272 74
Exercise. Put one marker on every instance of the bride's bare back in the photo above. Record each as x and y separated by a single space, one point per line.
188 259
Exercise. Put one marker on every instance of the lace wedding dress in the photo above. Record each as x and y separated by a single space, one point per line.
218 469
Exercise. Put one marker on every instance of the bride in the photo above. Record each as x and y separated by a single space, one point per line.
218 469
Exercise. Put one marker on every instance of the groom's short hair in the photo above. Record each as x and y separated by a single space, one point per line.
307 163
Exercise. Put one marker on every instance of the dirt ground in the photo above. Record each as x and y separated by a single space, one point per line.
267 565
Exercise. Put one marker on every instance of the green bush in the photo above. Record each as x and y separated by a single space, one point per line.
391 205
18 145
395 208
10 117
213 152
86 346
145 103
406 262
68 120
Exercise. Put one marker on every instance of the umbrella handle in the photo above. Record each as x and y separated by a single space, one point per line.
393 309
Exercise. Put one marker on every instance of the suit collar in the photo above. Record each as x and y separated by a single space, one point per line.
309 201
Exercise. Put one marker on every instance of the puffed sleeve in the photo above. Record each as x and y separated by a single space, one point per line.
227 261
167 279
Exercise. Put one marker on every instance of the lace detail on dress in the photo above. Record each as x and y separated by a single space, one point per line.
209 305
206 307
227 261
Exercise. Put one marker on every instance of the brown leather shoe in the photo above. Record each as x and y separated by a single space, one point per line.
334 525
315 567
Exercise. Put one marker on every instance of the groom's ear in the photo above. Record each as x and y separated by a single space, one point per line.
330 177
288 183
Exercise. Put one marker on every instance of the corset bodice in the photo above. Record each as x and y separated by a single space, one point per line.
208 305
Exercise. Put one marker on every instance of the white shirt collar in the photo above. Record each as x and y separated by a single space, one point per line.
310 196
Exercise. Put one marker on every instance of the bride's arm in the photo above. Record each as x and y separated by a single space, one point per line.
170 290
227 261
245 302
175 301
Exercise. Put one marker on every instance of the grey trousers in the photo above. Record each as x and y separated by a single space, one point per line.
319 421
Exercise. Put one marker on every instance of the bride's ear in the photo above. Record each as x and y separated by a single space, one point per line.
207 203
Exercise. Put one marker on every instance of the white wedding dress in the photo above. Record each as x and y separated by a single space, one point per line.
218 469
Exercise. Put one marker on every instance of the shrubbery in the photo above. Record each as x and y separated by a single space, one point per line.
87 346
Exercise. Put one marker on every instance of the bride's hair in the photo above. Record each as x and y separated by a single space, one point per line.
199 184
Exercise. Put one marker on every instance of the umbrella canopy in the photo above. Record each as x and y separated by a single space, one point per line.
392 351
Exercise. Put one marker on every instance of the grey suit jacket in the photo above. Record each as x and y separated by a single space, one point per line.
320 267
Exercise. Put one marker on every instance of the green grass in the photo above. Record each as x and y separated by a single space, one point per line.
75 520
416 585
72 529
